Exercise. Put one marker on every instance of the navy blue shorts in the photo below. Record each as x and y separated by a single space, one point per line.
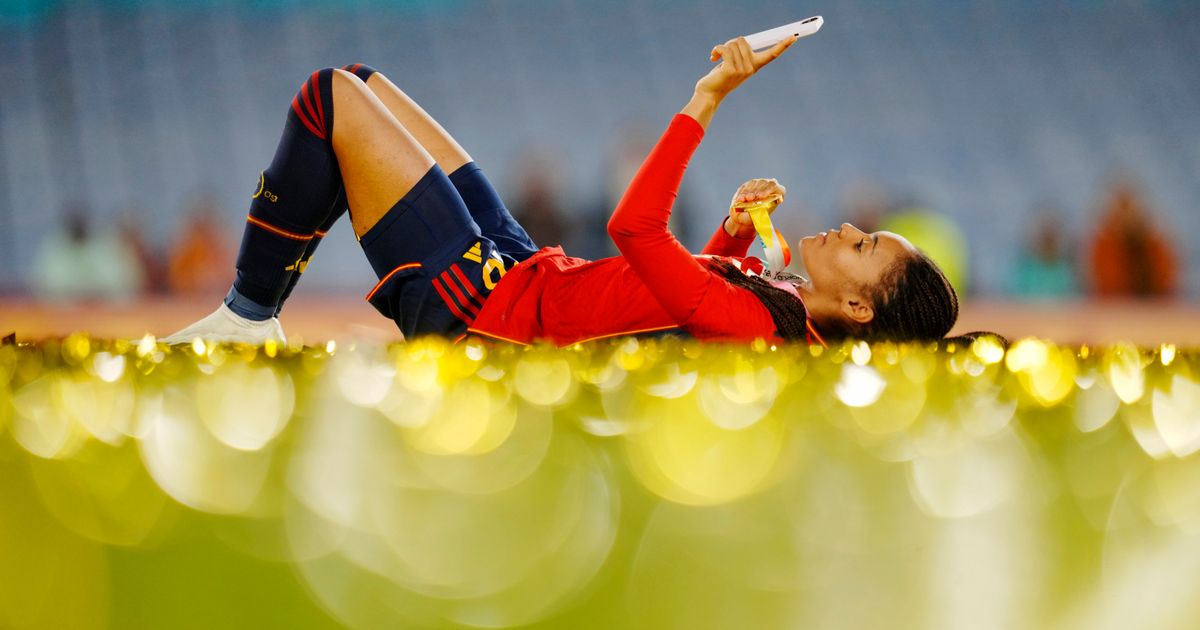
440 251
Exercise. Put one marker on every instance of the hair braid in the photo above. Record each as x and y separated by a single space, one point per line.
914 301
786 309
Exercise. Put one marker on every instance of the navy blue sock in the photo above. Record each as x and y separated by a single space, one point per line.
364 72
339 208
360 70
296 200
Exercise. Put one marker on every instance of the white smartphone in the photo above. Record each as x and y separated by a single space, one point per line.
767 39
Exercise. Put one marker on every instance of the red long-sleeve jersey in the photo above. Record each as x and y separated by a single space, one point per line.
654 285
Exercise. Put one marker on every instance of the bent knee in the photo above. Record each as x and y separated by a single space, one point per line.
346 85
359 111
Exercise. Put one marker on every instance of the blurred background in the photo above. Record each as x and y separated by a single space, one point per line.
1046 153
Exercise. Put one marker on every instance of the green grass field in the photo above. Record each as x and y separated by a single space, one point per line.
644 484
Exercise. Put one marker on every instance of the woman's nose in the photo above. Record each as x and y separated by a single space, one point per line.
847 228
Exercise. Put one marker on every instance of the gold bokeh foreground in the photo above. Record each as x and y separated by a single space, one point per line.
649 484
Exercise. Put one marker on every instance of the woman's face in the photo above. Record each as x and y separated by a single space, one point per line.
841 262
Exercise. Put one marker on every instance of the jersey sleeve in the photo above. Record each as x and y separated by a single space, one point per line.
722 244
638 226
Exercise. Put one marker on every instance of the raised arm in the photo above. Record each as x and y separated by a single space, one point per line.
639 224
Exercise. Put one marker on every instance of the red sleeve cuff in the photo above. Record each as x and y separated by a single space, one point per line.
684 122
722 244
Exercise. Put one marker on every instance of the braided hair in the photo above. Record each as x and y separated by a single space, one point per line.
786 309
913 301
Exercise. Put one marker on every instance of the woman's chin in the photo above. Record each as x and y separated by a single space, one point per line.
805 243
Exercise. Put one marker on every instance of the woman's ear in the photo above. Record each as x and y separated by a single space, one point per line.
858 309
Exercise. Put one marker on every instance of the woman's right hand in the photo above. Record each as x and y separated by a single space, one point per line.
758 190
739 224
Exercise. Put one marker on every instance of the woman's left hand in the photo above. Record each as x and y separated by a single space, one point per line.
738 63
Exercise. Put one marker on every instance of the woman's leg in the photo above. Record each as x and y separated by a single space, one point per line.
482 201
295 199
440 145
380 160
372 161
294 202
300 195
367 158
448 154
435 268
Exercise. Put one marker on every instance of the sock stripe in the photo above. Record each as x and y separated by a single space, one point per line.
312 112
316 83
465 303
280 231
462 279
303 118
389 277
360 70
306 98
450 302
283 231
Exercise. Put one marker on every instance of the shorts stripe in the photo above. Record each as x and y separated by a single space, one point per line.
389 277
463 302
465 296
467 285
450 302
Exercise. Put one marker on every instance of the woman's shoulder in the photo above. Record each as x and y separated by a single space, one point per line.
730 312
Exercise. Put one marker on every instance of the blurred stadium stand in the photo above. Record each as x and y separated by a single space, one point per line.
976 109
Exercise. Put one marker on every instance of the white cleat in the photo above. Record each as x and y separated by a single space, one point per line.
225 325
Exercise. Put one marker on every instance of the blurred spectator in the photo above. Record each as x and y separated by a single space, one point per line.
1129 256
77 263
150 263
1045 267
537 202
201 256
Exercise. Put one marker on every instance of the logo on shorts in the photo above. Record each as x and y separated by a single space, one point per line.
475 254
493 268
